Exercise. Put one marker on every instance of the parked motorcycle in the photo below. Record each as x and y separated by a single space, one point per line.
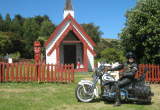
137 91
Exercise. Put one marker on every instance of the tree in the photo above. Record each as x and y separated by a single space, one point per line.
16 26
105 44
46 28
18 35
142 31
112 55
93 31
40 19
6 44
7 23
1 23
31 33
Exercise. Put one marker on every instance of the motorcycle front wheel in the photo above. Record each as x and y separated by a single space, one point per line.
84 95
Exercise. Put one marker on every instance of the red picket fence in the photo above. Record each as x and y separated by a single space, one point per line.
153 73
24 72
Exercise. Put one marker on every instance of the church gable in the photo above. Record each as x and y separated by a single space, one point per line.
68 25
66 22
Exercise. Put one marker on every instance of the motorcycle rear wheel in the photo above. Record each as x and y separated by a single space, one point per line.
82 96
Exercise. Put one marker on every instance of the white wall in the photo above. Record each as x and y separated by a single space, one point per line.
52 58
90 60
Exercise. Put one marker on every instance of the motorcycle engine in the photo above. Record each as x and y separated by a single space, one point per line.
111 95
123 95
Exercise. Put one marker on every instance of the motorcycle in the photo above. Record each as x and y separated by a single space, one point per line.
137 91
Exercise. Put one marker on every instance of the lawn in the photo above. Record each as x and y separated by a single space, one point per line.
54 96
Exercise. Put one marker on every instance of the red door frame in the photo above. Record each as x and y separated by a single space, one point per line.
85 57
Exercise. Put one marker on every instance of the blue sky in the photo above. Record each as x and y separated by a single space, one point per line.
107 14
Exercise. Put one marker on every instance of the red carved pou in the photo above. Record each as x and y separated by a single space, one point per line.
37 51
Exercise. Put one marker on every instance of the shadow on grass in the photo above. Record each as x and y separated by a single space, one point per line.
112 102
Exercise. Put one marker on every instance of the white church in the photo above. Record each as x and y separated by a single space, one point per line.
70 44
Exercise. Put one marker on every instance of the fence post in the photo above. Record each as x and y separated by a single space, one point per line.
7 72
39 72
72 69
3 72
66 78
155 73
31 70
43 72
147 74
152 73
51 72
158 73
58 72
20 71
16 72
61 72
12 72
0 72
55 73
48 73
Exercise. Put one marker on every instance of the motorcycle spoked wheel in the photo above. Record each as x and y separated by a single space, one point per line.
82 96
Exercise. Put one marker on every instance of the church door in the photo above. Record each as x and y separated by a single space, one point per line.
70 54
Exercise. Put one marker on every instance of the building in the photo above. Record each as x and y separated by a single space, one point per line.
70 44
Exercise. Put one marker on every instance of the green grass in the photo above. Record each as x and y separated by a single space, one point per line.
54 96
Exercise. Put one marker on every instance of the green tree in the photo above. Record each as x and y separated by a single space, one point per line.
7 23
108 43
1 23
112 55
46 28
18 35
40 19
93 31
6 43
142 31
17 26
103 44
31 33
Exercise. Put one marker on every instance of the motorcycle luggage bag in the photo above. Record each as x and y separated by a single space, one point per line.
142 91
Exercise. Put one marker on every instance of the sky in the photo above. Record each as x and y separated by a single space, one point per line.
109 15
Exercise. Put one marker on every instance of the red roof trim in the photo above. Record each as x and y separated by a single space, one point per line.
57 43
56 30
83 31
70 27
69 17
88 47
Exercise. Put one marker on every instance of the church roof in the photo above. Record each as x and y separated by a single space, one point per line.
68 5
71 27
